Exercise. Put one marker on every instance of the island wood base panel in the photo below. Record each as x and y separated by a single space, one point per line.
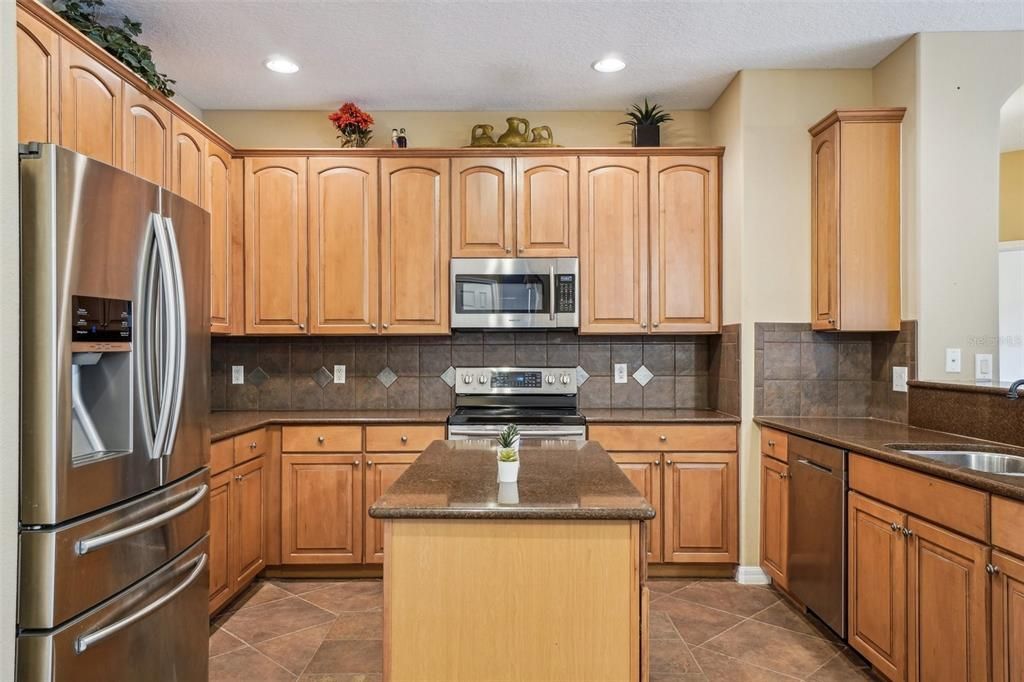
512 600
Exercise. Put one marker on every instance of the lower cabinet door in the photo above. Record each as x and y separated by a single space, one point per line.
643 469
701 509
877 585
774 519
321 509
1007 618
947 605
248 501
222 581
382 469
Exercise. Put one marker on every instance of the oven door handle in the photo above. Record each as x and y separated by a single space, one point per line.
522 434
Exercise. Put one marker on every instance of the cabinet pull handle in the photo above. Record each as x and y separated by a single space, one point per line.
907 532
991 569
895 526
252 445
320 439
405 438
656 324
771 443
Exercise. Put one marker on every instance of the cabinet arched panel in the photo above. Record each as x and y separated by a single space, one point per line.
482 207
147 138
38 80
90 111
547 206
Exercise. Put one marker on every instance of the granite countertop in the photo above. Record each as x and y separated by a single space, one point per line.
681 416
225 424
563 480
872 436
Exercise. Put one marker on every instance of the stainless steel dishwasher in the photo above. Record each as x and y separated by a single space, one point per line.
817 529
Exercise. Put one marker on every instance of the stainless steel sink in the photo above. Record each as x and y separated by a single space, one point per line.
968 457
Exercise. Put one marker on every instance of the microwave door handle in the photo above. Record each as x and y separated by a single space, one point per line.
180 323
551 287
169 330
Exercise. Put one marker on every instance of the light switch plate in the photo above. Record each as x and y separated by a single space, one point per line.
953 360
237 374
620 373
339 374
899 379
983 366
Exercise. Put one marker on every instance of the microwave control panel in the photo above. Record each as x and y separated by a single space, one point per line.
565 294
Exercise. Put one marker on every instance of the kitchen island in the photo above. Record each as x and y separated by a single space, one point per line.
538 580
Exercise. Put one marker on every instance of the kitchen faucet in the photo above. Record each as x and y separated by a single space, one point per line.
1014 387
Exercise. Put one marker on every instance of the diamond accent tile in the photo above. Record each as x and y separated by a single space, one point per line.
257 377
322 377
581 376
448 376
643 375
387 377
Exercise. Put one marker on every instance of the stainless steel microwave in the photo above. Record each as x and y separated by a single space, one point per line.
515 293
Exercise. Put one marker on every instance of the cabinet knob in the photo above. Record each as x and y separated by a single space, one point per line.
320 439
508 250
668 461
782 475
405 438
656 324
385 325
907 532
356 462
771 443
252 445
895 526
832 322
643 325
302 325
663 438
369 463
238 478
657 462
521 249
991 569
373 325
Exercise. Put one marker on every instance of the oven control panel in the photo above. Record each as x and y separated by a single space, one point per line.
506 380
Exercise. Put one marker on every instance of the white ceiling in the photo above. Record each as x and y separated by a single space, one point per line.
536 55
1011 123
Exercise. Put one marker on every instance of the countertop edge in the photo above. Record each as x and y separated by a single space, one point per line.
412 514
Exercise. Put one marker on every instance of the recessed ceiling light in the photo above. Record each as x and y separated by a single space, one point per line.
609 65
281 65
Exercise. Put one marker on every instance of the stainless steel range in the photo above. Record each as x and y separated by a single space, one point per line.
540 401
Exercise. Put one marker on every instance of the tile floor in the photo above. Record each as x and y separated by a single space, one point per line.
713 630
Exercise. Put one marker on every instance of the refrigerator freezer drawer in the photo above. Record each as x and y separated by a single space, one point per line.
149 632
71 568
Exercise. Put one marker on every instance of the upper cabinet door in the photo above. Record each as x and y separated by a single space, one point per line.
483 214
187 160
825 229
685 231
547 206
344 250
613 244
147 138
275 245
222 197
38 80
414 235
90 110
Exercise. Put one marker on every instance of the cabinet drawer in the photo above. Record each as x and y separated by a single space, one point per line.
1007 525
250 445
775 443
402 438
222 455
665 437
949 504
322 439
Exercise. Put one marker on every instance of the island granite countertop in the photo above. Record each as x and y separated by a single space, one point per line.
557 480
873 437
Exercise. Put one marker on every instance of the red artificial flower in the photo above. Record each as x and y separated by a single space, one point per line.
350 118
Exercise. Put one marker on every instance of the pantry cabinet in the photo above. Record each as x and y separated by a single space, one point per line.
90 106
222 197
188 157
147 137
38 80
275 245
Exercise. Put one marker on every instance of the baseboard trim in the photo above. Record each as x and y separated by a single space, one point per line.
752 575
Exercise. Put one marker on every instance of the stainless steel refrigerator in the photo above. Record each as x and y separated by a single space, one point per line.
114 510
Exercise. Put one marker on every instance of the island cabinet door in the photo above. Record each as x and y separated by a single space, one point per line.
643 469
774 519
947 605
90 106
547 206
382 469
613 245
38 80
321 509
483 211
248 502
701 509
147 137
222 582
1007 618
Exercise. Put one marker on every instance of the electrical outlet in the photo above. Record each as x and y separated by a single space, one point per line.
339 374
237 374
620 373
983 366
899 379
953 360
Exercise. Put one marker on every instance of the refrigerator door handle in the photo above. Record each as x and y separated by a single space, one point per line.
89 544
180 325
170 329
96 636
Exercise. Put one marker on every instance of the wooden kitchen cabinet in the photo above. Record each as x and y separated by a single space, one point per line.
90 106
1007 618
38 80
483 207
775 519
382 469
321 508
147 137
643 469
222 582
414 228
222 197
855 220
685 244
238 542
344 248
188 158
547 206
701 508
275 245
613 245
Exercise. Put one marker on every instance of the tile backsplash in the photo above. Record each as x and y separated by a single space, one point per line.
799 372
412 372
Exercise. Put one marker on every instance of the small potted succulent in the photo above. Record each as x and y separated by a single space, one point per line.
646 122
508 455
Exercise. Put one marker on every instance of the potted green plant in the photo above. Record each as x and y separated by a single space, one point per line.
508 454
646 122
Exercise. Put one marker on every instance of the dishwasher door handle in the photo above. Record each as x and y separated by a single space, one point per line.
815 465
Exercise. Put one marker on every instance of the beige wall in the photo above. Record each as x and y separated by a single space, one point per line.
444 128
1011 196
